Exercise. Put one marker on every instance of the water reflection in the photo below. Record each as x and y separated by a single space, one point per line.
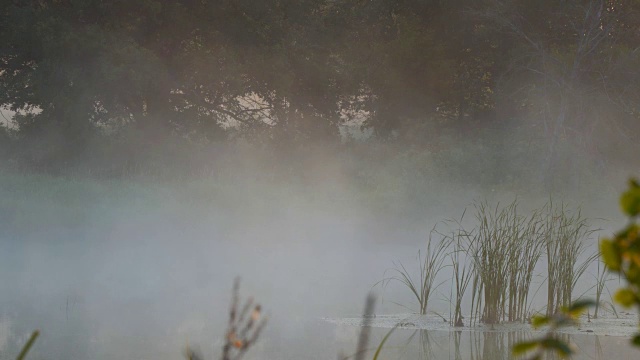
488 345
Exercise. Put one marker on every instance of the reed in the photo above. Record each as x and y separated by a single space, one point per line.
28 345
505 247
462 266
430 265
600 284
527 253
498 257
602 277
565 234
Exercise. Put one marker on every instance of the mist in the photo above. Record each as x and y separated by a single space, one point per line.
138 269
151 153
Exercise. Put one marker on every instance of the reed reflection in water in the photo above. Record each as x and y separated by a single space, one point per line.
484 345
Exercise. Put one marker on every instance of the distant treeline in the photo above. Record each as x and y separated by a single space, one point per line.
93 80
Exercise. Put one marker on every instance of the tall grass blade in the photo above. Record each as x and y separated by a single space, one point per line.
28 345
384 340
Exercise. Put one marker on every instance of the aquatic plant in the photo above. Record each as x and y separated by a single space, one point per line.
621 253
505 249
384 340
600 284
432 263
243 329
498 256
462 266
25 349
602 277
565 235
364 334
551 341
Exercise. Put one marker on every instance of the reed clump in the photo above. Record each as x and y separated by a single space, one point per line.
498 255
505 247
565 234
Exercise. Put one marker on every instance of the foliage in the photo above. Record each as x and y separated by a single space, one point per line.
567 316
621 254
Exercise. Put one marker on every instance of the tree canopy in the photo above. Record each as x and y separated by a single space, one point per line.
294 70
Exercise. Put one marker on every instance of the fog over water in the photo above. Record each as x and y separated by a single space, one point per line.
137 270
152 152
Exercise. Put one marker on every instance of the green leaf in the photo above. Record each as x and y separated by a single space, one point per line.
578 307
636 340
625 297
539 320
630 200
610 255
523 347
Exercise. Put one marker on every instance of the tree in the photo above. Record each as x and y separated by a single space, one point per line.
566 68
181 67
291 71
